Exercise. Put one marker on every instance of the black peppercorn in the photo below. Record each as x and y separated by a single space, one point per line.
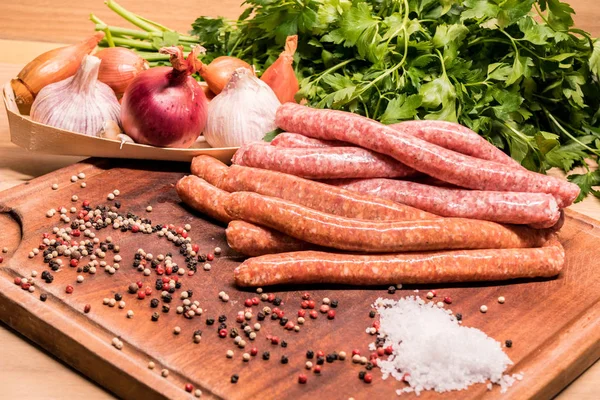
458 316
43 297
392 289
137 256
79 269
361 375
210 321
266 355
155 316
222 318
118 204
283 343
372 313
284 360
167 298
330 358
171 290
274 316
154 303
233 333
190 292
260 316
222 326
178 285
333 304
508 343
320 360
235 378
283 321
369 366
277 301
118 296
310 354
197 332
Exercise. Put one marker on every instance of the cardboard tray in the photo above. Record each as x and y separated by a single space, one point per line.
34 136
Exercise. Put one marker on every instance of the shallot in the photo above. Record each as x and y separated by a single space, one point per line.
119 67
219 71
280 76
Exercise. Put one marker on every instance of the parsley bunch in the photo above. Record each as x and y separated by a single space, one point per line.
531 88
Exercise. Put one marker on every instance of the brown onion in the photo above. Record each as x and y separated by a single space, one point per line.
119 67
219 71
280 76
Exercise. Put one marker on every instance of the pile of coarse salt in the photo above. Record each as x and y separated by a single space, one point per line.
432 351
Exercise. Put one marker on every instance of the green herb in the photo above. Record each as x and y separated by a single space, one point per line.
531 88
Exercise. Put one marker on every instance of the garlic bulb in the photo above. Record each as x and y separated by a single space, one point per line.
242 113
79 104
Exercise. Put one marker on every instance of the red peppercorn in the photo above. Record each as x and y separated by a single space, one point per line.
388 350
380 351
45 235
184 235
190 273
368 378
270 297
175 278
320 353
317 369
253 351
141 295
139 284
434 292
75 233
274 340
135 229
87 308
302 378
210 256
195 248
276 310
304 304
373 356
313 314
74 262
301 313
222 333
148 291
179 230
448 300
86 203
311 304
165 280
1 259
376 324
189 387
305 296
356 352
239 318
86 218
168 270
255 301
170 226
69 289
26 286
331 314
42 246
17 281
289 325
248 302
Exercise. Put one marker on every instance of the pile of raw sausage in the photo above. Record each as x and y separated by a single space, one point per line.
416 202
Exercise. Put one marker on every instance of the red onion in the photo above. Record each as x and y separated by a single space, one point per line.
165 106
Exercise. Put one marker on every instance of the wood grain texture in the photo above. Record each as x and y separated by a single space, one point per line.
554 324
67 21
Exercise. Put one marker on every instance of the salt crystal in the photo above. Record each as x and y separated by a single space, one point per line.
436 351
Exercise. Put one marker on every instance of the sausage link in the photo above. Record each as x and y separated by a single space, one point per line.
504 207
428 158
209 168
297 141
453 136
323 163
312 267
252 240
203 197
318 196
378 236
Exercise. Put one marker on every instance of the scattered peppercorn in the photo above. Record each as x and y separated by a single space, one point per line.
361 375
87 308
235 378
266 355
154 303
330 358
459 317
310 354
368 378
508 343
284 360
69 289
118 296
210 321
43 297
320 360
392 289
302 378
372 313
166 308
155 316
283 343
317 369
334 303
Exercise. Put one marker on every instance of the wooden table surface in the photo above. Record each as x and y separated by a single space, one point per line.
26 27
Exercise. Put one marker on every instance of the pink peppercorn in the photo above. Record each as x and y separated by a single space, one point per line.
86 203
223 333
311 304
289 325
141 295
270 297
388 350
168 270
448 300
45 235
317 369
274 340
313 314
69 289
380 351
210 256
356 352
331 314
189 387
368 378
179 230
74 262
87 308
135 229
302 313
302 378
248 302
75 233
253 351
190 273
320 353
195 248
306 296
148 291
255 301
304 304
26 286
324 308
17 281
139 284
184 235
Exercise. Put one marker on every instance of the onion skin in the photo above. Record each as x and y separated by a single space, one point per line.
119 67
165 106
50 67
219 71
280 75
207 92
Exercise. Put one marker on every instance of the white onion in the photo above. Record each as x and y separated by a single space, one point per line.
242 113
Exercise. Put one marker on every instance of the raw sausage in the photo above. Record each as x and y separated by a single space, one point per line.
318 196
323 163
209 168
311 267
433 160
378 236
453 136
297 141
203 197
504 207
252 240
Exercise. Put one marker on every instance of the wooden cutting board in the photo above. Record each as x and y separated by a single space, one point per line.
554 324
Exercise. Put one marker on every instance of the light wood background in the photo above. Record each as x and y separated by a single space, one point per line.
27 372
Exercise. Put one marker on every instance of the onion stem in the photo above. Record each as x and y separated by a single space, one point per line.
131 17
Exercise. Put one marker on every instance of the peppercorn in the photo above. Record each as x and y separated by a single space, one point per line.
166 308
189 387
260 316
283 343
310 354
368 378
154 303
210 321
284 360
317 369
458 316
233 333
508 343
222 326
43 297
222 333
369 366
167 298
302 378
392 289
69 289
330 358
155 316
334 303
197 332
330 314
234 378
222 318
133 288
361 375
118 204
266 355
118 296
87 308
283 321
277 301
320 360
